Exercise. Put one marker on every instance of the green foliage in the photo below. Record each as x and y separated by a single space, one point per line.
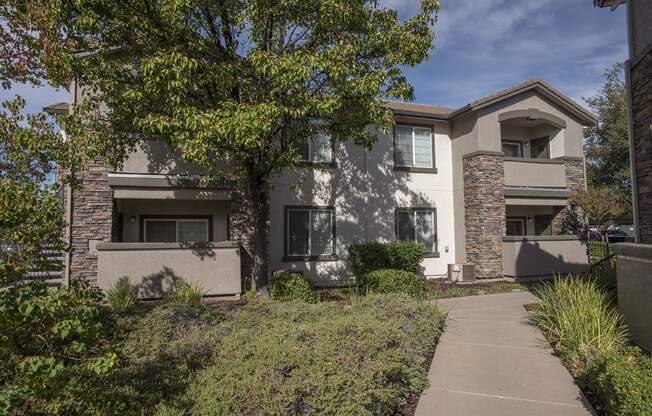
43 332
122 295
623 382
289 286
602 206
394 281
263 358
31 219
401 255
580 320
296 358
235 86
190 294
607 143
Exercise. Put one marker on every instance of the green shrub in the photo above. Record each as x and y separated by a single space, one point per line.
122 295
289 286
401 255
623 381
44 333
323 359
190 294
579 320
394 281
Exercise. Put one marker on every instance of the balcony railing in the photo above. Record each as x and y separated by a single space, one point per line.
544 173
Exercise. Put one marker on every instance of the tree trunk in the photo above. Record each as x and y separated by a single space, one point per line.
260 198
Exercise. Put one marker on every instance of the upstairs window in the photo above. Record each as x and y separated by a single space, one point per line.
540 148
418 225
516 226
414 147
317 150
166 230
310 231
512 149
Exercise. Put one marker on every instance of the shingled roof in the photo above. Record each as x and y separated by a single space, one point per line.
58 108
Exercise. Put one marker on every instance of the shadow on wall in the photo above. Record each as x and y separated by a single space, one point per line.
157 285
533 259
365 190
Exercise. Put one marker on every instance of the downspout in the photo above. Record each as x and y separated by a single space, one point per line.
68 191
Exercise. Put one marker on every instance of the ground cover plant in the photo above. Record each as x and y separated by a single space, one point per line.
579 317
265 357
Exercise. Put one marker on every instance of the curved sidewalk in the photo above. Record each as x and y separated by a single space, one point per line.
491 361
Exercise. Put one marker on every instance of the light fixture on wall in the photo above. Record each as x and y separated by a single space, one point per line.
132 219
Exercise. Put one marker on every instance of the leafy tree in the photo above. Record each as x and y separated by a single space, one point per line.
602 207
607 143
235 86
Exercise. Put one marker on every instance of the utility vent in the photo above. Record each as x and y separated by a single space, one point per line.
461 272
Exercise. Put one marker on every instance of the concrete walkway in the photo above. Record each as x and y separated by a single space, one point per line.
491 361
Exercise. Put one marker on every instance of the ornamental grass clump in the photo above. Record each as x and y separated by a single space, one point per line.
579 320
190 294
122 295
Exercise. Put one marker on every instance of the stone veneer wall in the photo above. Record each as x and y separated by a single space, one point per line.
93 219
484 204
641 95
563 222
242 228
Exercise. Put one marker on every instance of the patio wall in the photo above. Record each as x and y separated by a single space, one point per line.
543 255
634 271
153 267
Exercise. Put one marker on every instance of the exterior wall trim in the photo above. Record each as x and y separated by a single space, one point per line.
533 113
532 160
540 238
107 246
156 181
483 153
537 193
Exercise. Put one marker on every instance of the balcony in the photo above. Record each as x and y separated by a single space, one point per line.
535 173
153 268
530 256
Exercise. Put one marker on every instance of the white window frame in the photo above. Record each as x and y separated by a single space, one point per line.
310 211
413 213
523 221
414 151
313 142
514 143
176 221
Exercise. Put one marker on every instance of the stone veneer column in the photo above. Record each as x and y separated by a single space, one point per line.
641 96
93 219
242 228
562 222
484 212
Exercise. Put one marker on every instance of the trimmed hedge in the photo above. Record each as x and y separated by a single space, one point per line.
401 255
290 286
394 281
623 381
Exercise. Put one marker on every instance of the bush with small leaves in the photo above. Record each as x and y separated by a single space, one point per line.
401 255
289 286
394 281
122 295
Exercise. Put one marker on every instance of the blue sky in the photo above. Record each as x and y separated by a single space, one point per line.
483 46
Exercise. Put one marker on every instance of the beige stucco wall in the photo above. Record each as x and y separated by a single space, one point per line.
365 191
527 173
154 157
137 207
154 268
539 256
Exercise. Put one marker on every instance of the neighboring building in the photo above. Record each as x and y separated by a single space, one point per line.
485 184
634 273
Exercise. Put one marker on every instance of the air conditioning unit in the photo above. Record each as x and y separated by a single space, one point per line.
461 272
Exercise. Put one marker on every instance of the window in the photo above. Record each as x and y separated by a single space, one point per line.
168 229
414 147
539 148
310 231
512 149
516 226
543 224
317 150
419 225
